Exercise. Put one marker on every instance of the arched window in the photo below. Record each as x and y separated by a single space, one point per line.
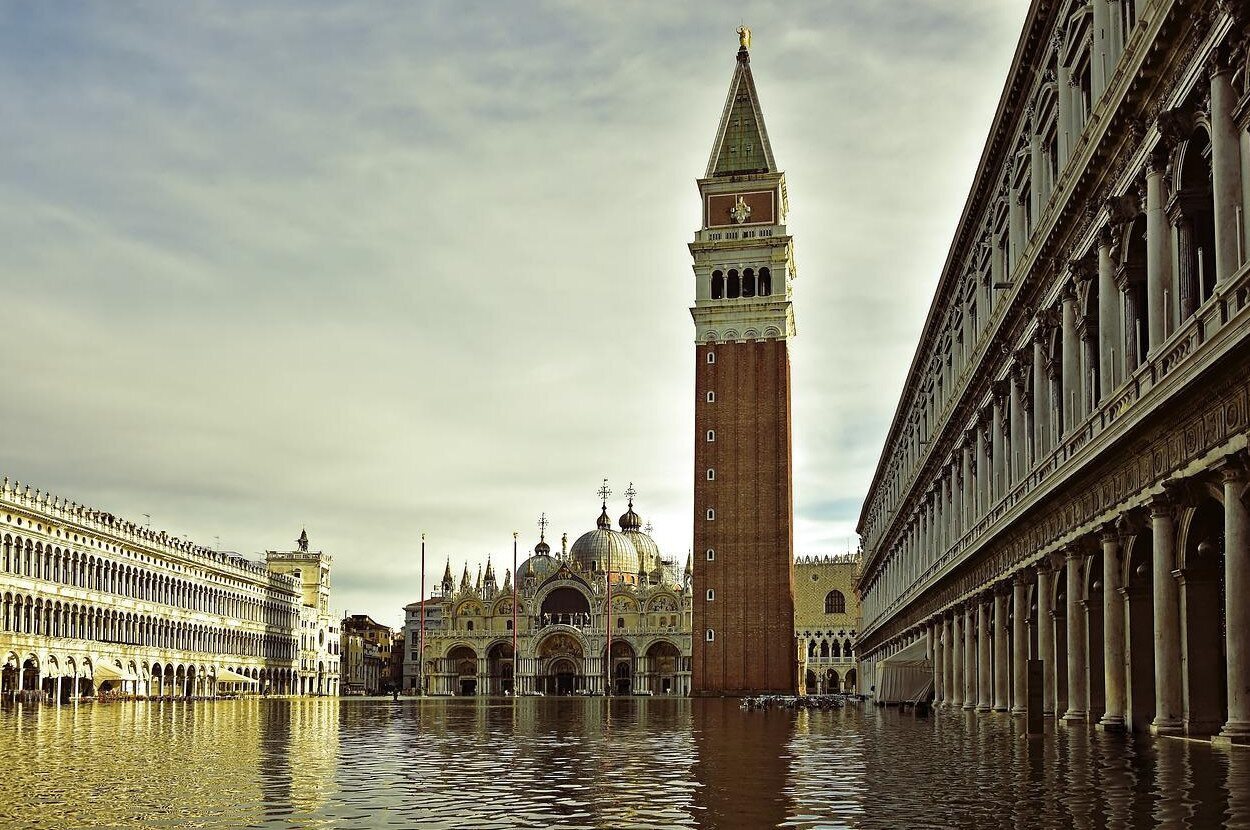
748 283
711 357
811 649
468 625
711 594
734 289
711 435
620 622
508 625
835 603
836 651
711 635
711 514
711 555
765 283
711 397
711 475
824 648
718 285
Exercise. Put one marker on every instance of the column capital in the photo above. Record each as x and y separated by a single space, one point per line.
1110 532
1024 576
1234 467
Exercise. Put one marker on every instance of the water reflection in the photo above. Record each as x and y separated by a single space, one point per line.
578 763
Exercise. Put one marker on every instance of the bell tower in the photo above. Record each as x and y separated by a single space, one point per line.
743 478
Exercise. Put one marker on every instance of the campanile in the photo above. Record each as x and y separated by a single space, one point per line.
743 479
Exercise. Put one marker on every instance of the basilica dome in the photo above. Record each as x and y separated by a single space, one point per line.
539 566
631 528
604 549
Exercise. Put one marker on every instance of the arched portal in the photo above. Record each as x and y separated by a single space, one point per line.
621 667
1140 675
499 666
463 662
663 664
1202 620
561 659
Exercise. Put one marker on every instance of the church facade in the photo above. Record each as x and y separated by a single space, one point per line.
743 573
555 639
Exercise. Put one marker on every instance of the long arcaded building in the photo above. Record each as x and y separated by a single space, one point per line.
1066 471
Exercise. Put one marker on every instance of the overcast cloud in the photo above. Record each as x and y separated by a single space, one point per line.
378 269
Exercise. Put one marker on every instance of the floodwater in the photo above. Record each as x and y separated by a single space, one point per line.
575 762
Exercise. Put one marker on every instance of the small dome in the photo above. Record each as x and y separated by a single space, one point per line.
542 548
539 566
631 520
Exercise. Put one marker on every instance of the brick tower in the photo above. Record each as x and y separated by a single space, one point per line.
743 504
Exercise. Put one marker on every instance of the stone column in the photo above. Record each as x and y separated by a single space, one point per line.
1019 431
949 651
1000 482
935 641
1186 261
1225 171
1113 647
1109 322
983 473
970 655
1019 643
985 668
1158 252
1070 404
1037 197
1237 602
1078 681
969 488
1167 632
1002 689
1064 126
1099 70
1041 395
1046 636
957 659
1243 133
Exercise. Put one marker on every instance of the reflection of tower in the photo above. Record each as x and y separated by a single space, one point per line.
743 507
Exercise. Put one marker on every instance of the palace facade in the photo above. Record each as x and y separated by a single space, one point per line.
566 603
1065 476
93 604
826 622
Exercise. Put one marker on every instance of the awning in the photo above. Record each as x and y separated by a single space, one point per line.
107 671
227 676
905 676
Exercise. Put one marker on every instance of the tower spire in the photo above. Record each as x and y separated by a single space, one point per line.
741 144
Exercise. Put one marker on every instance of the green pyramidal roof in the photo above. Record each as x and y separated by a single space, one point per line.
741 140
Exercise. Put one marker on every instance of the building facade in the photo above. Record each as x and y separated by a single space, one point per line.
826 622
93 604
319 647
1065 475
378 640
557 636
743 598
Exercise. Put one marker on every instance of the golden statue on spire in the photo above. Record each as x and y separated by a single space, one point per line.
744 37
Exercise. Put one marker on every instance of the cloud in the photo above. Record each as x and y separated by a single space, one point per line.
376 270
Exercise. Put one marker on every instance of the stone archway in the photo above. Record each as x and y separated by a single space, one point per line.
1202 606
499 669
463 662
621 667
663 664
561 659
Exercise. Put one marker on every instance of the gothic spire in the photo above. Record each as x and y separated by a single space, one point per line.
741 144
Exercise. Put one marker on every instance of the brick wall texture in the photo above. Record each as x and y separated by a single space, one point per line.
752 574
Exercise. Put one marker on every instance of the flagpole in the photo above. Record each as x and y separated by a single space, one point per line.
608 624
515 657
421 649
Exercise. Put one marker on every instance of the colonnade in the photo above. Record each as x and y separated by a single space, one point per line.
1140 625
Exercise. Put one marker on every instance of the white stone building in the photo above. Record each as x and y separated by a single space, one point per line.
319 629
91 603
1065 477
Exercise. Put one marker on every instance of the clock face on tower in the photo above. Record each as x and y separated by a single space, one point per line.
756 207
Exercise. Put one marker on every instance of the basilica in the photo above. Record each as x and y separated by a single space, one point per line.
548 633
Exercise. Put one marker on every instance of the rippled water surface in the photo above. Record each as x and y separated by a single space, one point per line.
625 763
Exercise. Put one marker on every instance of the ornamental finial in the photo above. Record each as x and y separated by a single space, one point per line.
744 37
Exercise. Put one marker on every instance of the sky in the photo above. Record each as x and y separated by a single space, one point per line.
378 269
